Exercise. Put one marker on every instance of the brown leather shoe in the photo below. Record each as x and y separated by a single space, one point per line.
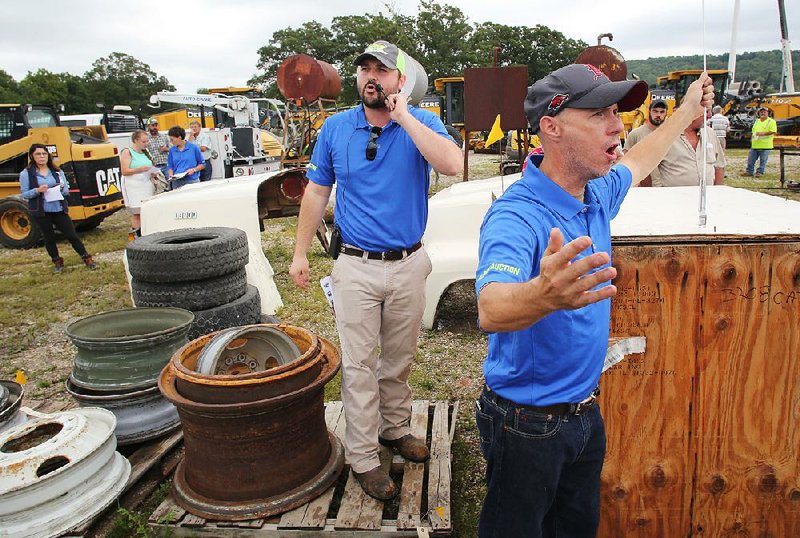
409 447
377 484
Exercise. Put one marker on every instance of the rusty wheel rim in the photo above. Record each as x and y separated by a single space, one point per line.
184 359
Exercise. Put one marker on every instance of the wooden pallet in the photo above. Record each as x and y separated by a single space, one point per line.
151 462
358 515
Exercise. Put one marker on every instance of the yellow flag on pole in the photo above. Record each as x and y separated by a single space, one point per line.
496 133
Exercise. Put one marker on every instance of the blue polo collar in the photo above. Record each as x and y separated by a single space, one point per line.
552 195
361 119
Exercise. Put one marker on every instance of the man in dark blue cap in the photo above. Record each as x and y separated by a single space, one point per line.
380 155
544 295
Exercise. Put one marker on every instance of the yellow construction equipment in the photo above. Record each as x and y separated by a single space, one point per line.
89 161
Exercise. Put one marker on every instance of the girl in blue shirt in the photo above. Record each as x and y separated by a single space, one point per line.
48 211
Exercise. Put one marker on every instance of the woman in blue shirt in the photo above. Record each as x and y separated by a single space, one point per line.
48 205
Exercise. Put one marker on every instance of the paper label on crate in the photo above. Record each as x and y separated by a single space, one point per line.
327 288
626 346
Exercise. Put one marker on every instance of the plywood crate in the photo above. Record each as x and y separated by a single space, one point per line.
703 427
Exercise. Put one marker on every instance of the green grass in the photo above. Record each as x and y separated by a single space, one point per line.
769 183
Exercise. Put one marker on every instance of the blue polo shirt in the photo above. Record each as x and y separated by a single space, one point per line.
559 358
180 161
380 204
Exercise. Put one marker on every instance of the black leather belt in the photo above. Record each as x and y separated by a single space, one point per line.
389 255
555 409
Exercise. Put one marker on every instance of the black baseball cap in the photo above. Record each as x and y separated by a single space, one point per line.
660 103
386 53
580 86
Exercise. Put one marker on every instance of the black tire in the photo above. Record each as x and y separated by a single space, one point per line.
456 134
89 224
245 310
194 295
185 255
17 228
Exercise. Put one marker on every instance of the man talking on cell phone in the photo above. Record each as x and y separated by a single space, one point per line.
380 154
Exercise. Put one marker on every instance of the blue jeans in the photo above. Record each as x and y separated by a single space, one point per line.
754 155
542 472
205 173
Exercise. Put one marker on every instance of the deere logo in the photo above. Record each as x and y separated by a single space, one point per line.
376 47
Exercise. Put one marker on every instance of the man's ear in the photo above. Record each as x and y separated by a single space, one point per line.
401 82
549 126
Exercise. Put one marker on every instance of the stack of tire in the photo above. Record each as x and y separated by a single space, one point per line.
198 269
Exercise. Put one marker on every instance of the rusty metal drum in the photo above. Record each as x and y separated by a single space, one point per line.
606 59
302 77
254 458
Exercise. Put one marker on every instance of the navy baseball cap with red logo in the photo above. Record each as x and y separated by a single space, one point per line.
580 86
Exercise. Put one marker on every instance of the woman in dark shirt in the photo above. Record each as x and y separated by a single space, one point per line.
48 204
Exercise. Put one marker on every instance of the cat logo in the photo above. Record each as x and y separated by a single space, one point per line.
107 181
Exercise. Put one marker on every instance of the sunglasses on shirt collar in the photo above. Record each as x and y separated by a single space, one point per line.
372 145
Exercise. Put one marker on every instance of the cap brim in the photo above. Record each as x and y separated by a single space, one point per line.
628 94
382 58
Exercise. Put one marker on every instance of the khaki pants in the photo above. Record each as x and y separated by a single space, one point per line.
378 303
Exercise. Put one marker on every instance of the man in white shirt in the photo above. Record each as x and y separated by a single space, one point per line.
197 137
721 124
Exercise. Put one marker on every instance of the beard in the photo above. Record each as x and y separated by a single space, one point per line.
656 121
379 101
376 102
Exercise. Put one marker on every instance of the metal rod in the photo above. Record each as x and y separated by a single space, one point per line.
703 138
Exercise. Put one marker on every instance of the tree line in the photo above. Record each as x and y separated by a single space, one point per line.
440 37
117 79
763 66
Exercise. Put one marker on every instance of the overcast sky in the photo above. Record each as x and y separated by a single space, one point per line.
207 43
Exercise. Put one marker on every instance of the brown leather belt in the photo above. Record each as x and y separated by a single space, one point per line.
388 256
555 409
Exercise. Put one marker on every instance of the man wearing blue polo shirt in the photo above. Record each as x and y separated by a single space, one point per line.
380 155
545 298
